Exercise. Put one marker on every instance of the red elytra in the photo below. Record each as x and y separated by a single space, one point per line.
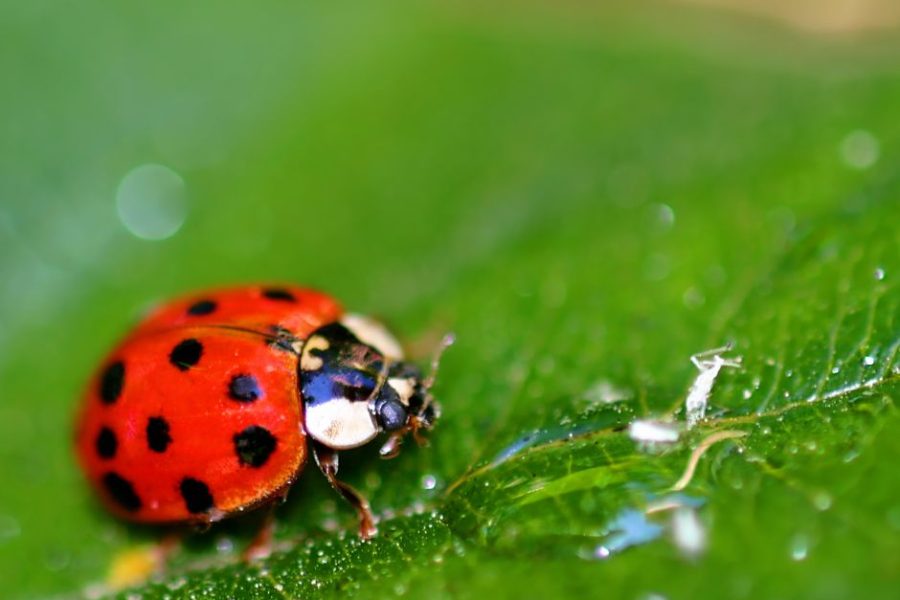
200 414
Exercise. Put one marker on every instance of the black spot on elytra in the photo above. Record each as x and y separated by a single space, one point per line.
196 494
279 294
158 437
203 307
244 388
111 382
121 490
254 445
106 443
186 354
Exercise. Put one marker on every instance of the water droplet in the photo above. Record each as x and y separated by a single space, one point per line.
747 394
860 149
835 370
799 547
657 267
224 545
822 500
693 298
429 482
177 583
606 392
869 361
601 552
546 365
893 517
851 455
151 202
665 216
9 528
57 559
879 274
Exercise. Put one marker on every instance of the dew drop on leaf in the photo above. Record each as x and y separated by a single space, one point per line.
799 547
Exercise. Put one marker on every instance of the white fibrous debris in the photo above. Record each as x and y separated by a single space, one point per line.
709 363
688 532
653 432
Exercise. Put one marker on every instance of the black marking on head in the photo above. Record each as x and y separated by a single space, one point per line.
392 415
186 354
121 490
391 412
106 443
112 381
279 294
202 307
244 388
196 494
254 445
158 437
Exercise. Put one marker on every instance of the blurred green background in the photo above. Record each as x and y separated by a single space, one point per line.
585 194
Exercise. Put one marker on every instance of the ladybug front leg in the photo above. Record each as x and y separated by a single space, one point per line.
327 459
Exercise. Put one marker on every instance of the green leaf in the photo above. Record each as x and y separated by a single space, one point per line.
586 198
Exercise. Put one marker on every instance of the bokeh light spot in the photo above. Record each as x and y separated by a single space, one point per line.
151 202
860 149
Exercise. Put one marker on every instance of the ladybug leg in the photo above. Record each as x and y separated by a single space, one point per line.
391 447
327 459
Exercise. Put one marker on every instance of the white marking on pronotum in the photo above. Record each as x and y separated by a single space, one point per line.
709 363
371 332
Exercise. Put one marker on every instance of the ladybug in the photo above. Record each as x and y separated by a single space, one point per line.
208 408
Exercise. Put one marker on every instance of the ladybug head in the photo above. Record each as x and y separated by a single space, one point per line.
355 385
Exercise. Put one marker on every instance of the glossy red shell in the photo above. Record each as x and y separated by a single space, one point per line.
160 433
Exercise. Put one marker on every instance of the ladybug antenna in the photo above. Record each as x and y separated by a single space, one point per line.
447 341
